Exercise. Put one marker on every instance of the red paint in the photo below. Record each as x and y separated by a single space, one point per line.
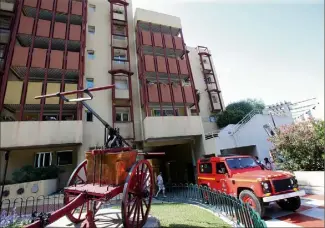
161 63
47 4
43 28
39 57
158 39
183 67
20 56
178 43
75 31
26 25
177 93
149 61
302 220
76 8
56 59
168 41
32 3
62 6
59 30
153 93
189 96
146 38
165 93
172 65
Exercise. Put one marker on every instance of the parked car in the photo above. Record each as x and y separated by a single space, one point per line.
242 177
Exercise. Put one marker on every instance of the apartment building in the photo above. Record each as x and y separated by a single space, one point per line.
164 96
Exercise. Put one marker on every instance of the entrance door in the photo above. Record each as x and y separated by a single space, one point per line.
221 178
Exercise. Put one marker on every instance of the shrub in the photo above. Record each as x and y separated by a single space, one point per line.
28 173
301 146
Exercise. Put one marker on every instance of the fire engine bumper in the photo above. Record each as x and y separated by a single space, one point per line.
283 196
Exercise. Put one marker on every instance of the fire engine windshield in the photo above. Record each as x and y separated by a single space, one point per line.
241 163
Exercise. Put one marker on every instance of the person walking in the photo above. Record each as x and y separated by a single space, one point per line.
259 163
160 183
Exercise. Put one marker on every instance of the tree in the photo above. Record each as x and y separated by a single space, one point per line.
236 111
301 146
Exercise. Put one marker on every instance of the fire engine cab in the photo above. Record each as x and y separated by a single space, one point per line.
242 177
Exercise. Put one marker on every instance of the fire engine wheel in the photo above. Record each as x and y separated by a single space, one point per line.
290 204
249 197
137 195
79 176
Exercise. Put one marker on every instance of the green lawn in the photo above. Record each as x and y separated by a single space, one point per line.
185 215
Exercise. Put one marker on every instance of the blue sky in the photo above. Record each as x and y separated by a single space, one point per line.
270 51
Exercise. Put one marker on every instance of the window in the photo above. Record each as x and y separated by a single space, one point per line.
90 82
119 30
121 84
92 8
118 11
241 163
122 116
89 116
2 50
214 99
91 29
43 159
50 117
221 168
91 54
206 168
64 157
208 80
166 112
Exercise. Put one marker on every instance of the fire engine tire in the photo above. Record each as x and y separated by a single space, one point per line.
256 203
290 204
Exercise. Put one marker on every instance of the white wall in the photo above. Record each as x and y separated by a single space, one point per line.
98 69
157 18
205 106
311 181
252 133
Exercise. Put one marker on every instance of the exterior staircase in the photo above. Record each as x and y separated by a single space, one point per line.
245 120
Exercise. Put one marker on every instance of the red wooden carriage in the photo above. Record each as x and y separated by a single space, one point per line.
104 174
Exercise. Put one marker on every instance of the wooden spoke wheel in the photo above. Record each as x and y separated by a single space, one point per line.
137 195
79 176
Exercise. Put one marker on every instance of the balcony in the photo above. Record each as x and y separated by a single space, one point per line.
172 126
40 133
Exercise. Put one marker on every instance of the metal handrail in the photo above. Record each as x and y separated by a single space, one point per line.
245 119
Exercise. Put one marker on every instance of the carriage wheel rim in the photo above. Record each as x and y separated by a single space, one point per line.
250 201
73 215
140 187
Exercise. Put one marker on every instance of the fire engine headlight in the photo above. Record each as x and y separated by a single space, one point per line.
266 186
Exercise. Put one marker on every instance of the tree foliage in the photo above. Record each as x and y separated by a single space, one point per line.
300 146
235 111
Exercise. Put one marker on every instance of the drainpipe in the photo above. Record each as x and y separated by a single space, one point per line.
7 153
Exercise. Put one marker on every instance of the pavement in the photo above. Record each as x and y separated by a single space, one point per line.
310 214
105 218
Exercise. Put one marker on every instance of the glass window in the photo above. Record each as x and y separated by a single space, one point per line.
121 84
43 159
64 157
122 117
166 112
91 54
89 116
91 29
92 8
241 163
214 99
206 168
90 82
221 168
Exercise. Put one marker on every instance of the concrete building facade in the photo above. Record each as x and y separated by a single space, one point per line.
165 91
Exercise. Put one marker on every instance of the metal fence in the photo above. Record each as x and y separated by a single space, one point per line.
239 213
242 215
32 204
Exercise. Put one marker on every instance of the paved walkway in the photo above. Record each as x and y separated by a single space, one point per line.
310 214
105 218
